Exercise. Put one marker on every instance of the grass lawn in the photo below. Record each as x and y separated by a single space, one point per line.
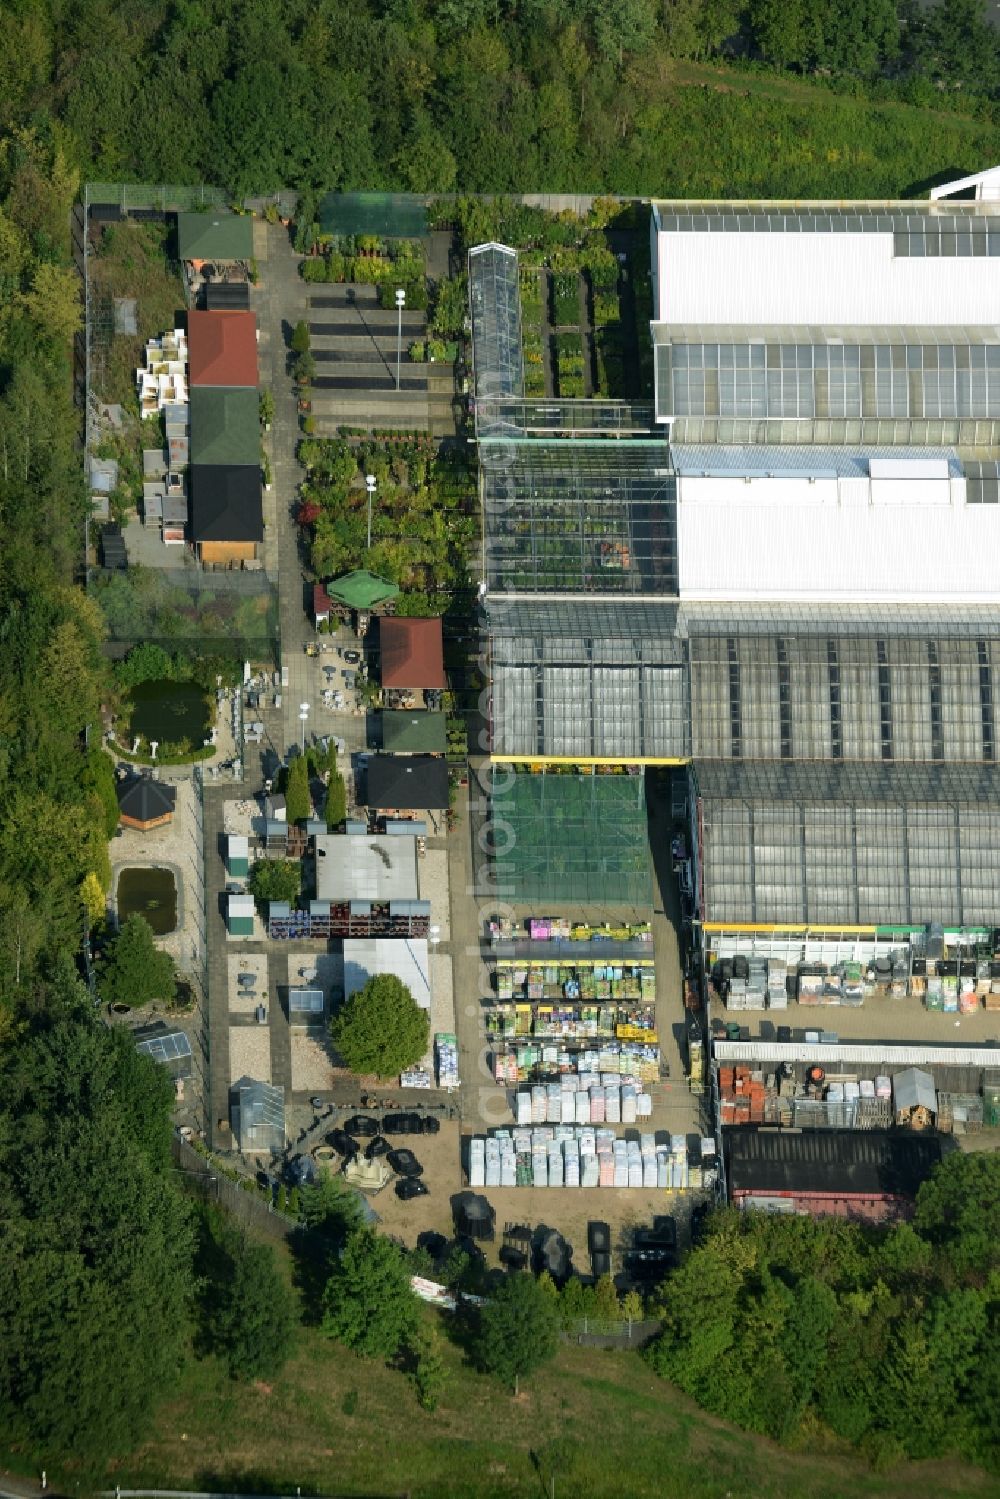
333 1423
600 1421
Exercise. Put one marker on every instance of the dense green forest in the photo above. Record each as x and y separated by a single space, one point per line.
632 96
886 1338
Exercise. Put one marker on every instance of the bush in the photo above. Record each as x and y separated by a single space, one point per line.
135 972
367 1301
416 292
275 879
300 340
417 351
314 269
518 1330
252 1319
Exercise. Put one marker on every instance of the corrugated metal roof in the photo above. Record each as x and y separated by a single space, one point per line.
709 459
852 1161
913 1088
884 1053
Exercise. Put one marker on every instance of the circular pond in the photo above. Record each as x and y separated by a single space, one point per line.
151 893
170 712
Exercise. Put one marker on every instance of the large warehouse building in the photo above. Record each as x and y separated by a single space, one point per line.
783 573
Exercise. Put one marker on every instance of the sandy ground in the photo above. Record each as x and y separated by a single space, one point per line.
240 1001
250 1052
568 1210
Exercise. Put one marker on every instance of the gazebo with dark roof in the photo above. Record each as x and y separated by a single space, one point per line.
144 803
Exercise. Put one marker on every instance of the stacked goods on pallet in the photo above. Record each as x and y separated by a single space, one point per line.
446 1052
853 984
539 1165
883 1086
992 999
777 984
810 987
477 1162
492 1162
934 999
968 999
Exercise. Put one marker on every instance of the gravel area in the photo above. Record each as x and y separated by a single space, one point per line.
433 876
243 1000
312 1069
250 1052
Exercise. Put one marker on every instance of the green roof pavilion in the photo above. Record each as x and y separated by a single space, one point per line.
225 425
413 733
361 590
214 236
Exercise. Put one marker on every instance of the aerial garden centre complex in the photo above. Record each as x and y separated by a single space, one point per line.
779 580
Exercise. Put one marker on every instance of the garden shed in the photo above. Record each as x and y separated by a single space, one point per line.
239 915
914 1098
238 856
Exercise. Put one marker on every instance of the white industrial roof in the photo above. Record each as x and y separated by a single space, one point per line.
842 540
874 1053
239 846
706 277
355 867
406 957
240 905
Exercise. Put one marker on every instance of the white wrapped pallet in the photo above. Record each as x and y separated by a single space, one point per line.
567 1100
628 1106
597 1112
613 1106
508 1172
538 1102
477 1163
589 1171
662 1170
582 1107
524 1108
647 1143
643 1106
635 1174
649 1171
555 1167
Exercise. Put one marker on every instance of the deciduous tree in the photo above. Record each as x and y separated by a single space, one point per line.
518 1330
381 1029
